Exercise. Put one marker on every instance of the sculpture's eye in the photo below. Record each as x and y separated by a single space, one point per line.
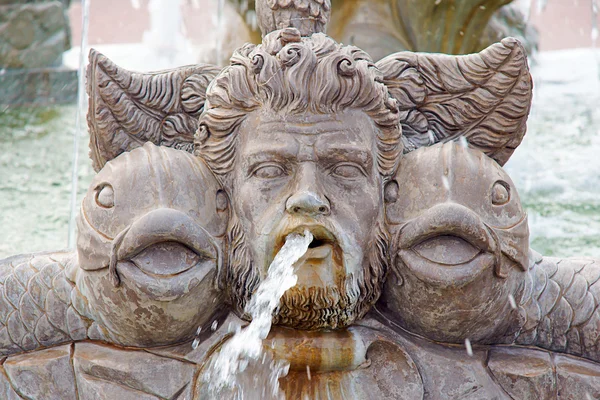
167 258
269 171
500 193
105 196
446 250
347 170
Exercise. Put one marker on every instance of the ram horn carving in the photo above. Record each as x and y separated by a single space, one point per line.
128 109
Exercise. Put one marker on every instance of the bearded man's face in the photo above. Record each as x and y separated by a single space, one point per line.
315 172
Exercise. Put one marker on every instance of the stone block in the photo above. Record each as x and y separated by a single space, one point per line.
46 374
33 35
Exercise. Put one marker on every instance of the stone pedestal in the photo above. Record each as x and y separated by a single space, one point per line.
33 36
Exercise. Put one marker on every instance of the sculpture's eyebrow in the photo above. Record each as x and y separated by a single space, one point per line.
351 153
283 154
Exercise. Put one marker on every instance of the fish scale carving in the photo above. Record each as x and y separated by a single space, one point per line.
559 310
36 309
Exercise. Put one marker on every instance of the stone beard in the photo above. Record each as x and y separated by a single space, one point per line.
304 135
310 308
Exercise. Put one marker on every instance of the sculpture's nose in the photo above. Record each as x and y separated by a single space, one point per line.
307 203
308 198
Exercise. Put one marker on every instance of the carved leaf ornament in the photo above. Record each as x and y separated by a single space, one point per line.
484 97
128 109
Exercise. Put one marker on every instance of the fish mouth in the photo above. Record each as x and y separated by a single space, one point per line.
164 242
448 244
447 220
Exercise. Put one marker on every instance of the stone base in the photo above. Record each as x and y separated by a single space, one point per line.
40 86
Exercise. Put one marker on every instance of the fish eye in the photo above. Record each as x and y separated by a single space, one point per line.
105 196
500 193
446 250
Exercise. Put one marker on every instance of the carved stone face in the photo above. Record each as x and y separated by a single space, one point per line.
315 172
460 245
152 215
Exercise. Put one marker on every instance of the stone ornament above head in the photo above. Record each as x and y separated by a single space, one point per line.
484 98
127 109
149 244
460 245
308 16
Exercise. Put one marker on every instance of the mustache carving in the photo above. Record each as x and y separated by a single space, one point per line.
310 308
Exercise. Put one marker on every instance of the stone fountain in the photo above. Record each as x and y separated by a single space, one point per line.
418 282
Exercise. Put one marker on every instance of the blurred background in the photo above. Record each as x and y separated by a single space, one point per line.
45 169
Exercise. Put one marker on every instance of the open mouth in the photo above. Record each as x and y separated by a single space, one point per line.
322 264
322 237
449 244
319 242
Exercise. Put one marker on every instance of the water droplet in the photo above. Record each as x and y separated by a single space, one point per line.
246 347
135 4
431 137
243 365
214 325
445 182
308 372
463 142
437 2
198 330
195 343
588 396
541 5
513 303
468 347
594 33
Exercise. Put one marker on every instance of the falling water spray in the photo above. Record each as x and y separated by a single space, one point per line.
246 345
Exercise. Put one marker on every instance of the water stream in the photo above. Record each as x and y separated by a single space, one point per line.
81 110
245 347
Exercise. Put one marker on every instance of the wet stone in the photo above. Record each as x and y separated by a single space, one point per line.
523 374
577 378
45 374
123 374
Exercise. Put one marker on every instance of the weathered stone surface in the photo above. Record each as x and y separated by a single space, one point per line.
523 374
166 107
46 374
6 390
149 247
33 35
34 316
303 134
577 379
115 372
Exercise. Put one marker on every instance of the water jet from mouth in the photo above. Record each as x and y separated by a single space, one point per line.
246 347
